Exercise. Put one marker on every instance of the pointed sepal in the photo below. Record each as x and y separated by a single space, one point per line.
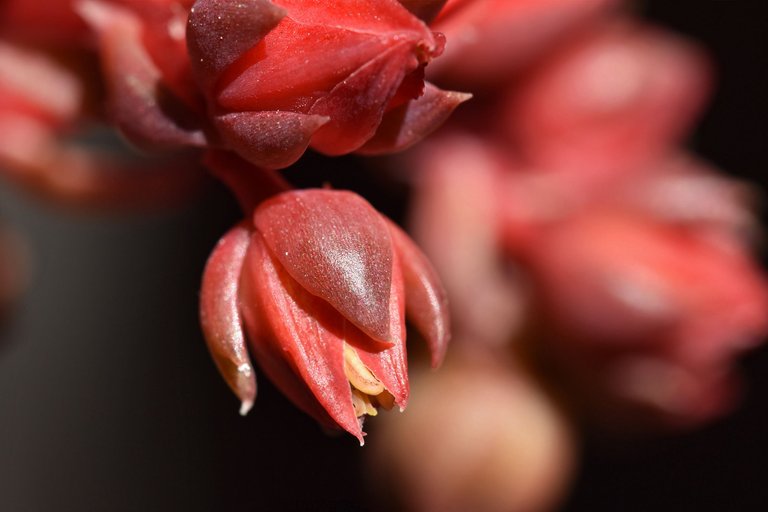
338 248
270 139
220 314
409 123
310 334
220 31
425 299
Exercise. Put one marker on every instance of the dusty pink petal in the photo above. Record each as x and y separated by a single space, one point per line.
408 124
269 355
372 86
338 248
220 315
426 10
221 31
390 366
307 329
139 104
425 299
273 140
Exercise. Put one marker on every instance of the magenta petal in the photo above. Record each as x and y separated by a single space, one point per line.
357 104
220 316
269 139
307 329
221 31
138 103
390 366
409 123
425 299
338 248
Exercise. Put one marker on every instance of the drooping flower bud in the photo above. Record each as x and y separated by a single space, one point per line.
321 283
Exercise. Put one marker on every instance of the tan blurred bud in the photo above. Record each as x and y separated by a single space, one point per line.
478 436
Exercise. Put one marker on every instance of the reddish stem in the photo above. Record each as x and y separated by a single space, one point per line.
249 183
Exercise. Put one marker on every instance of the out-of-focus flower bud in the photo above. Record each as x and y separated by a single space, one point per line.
614 100
322 282
490 40
44 141
454 219
661 308
151 96
480 437
336 76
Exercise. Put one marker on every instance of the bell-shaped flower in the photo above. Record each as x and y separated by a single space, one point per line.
320 282
337 76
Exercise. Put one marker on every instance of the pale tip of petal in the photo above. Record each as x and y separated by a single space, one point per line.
245 406
245 369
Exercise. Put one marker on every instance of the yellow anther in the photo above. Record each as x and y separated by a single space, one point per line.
362 404
359 375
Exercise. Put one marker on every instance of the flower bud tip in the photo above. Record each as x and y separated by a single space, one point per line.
245 407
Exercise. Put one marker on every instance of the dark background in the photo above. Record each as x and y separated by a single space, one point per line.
108 399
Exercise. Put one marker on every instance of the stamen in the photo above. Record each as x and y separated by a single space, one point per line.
384 400
359 375
362 404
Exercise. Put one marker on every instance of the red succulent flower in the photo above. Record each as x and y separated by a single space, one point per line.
322 283
337 76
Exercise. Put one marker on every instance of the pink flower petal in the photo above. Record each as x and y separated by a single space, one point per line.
268 353
411 122
425 299
390 365
338 248
220 316
273 140
308 330
353 123
220 31
376 17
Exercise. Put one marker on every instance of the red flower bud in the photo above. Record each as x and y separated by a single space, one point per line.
618 98
284 75
322 283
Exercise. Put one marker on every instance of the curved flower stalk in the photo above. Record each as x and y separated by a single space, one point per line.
320 283
336 76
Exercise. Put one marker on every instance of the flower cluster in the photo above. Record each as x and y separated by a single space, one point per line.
585 250
631 257
320 280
